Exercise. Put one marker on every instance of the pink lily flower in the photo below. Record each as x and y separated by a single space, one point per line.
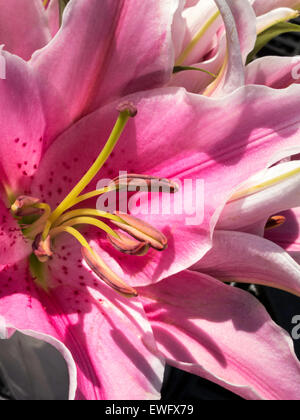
119 345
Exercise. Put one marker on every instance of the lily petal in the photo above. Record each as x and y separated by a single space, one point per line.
53 16
7 331
23 27
21 135
282 14
222 334
96 40
108 336
240 24
13 246
245 258
202 23
264 6
275 72
195 81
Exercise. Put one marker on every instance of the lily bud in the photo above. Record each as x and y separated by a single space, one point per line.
98 266
142 231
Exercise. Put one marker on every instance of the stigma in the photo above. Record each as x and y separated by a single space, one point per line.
124 232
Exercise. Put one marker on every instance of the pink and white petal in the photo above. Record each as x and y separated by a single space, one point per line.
245 19
196 140
13 245
246 258
53 16
191 3
7 330
21 310
196 19
195 81
282 14
110 49
275 72
240 24
270 192
23 27
264 6
287 235
177 29
222 334
22 125
108 336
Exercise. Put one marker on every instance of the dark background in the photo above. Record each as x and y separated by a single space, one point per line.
31 370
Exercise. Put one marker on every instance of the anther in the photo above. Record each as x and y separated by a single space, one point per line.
274 222
42 249
145 183
129 245
142 231
98 266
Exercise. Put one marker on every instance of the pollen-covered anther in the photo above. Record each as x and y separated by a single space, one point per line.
24 205
127 107
42 248
129 245
98 266
142 231
274 222
145 183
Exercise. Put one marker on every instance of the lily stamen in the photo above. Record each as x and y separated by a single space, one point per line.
42 248
142 231
145 183
98 266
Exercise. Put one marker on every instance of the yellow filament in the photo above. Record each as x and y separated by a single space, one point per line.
86 212
77 235
256 188
83 221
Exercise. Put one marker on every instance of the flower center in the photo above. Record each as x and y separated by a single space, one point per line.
134 237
